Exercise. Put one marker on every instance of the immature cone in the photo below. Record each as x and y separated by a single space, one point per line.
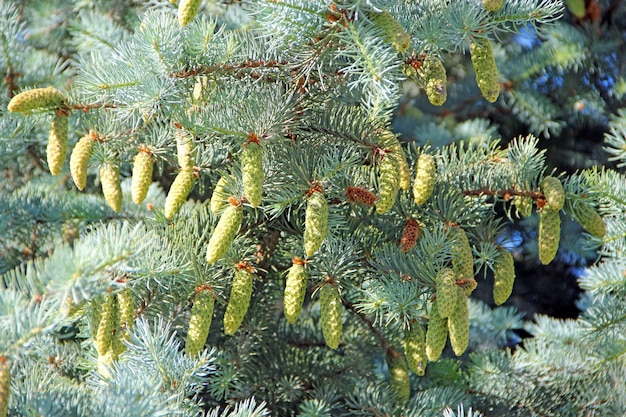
590 220
415 349
524 205
5 386
219 198
361 195
315 222
388 183
399 378
142 175
459 326
485 68
393 32
330 315
396 150
79 159
549 235
504 277
187 10
111 187
462 258
38 98
252 173
295 290
436 334
185 151
424 178
447 292
180 189
199 321
57 143
109 322
239 300
553 191
126 305
224 233
576 7
493 5
434 74
410 234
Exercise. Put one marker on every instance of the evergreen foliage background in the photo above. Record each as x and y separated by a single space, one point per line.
320 86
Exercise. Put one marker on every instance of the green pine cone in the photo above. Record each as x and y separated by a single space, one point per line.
252 173
109 322
447 292
180 189
485 68
187 11
127 308
388 183
57 143
524 205
295 290
185 150
553 191
315 222
219 198
111 187
393 32
199 322
424 178
415 349
399 378
503 277
331 315
5 386
239 300
436 334
142 176
462 258
38 98
576 7
224 233
434 73
492 5
79 160
549 235
590 220
459 326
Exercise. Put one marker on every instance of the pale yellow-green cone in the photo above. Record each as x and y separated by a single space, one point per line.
393 32
415 349
524 205
127 308
399 378
224 233
493 5
388 183
331 313
485 68
549 235
239 301
436 334
180 189
295 290
142 175
315 222
111 185
5 386
447 292
219 198
187 11
553 191
459 326
435 77
424 178
252 173
462 258
576 7
79 159
199 322
590 220
57 143
504 276
185 150
38 98
109 322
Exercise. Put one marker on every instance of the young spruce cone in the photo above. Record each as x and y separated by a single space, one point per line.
200 321
549 234
111 187
57 143
187 10
252 172
447 292
180 189
224 233
424 178
38 98
504 277
436 334
239 300
485 68
142 175
388 183
315 222
590 220
79 159
415 349
459 326
295 290
331 315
